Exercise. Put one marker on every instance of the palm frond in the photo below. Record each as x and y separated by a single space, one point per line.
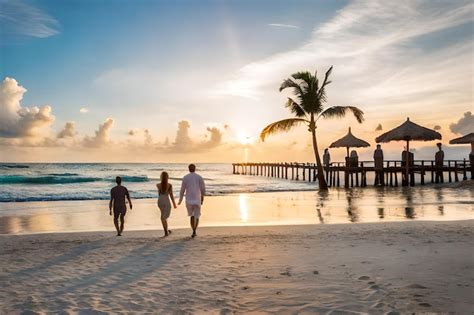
341 111
306 78
295 108
297 90
322 89
280 126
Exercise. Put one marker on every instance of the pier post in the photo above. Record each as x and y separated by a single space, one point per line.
422 172
464 173
432 172
456 178
449 172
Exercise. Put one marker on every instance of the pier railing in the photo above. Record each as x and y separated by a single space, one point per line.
338 173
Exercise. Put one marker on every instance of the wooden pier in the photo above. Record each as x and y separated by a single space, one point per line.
338 174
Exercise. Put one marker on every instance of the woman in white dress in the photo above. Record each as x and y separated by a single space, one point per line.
165 197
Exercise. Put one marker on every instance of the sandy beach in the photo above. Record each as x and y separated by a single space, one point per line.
418 266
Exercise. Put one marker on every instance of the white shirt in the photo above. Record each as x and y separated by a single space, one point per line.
193 186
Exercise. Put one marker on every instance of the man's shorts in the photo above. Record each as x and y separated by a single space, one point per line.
119 213
194 210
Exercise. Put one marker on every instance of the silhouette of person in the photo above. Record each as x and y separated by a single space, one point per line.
117 201
165 193
439 161
326 157
326 161
410 157
378 165
354 158
193 186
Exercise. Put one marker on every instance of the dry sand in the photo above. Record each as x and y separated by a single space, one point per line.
367 267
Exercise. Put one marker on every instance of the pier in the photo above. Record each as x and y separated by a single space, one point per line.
338 174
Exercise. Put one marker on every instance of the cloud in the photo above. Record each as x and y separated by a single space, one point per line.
464 125
437 127
184 143
148 138
17 121
215 138
370 37
379 127
19 19
69 131
84 110
101 137
283 25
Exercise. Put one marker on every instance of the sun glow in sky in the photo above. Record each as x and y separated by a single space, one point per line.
152 81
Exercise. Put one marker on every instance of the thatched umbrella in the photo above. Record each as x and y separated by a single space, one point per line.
467 139
408 131
349 141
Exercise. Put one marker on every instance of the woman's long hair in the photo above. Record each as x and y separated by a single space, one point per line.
164 182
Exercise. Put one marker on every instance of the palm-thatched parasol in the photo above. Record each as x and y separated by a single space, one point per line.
409 131
467 139
349 141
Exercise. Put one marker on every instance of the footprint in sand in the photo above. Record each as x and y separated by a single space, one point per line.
425 304
364 278
416 286
315 272
286 273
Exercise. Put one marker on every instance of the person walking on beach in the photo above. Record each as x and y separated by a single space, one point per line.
117 201
378 166
439 161
193 186
165 193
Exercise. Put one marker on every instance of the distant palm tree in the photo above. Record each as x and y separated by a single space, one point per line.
309 107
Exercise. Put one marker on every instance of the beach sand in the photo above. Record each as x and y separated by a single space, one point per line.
365 267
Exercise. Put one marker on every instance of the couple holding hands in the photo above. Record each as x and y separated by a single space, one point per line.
192 186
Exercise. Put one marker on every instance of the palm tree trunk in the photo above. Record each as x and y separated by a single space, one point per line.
321 180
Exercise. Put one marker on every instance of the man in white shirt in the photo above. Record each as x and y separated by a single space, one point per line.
193 186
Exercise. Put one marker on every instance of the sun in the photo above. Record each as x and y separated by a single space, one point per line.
244 138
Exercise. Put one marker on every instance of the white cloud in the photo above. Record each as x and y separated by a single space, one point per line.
69 131
369 42
283 25
464 125
17 121
84 110
102 135
19 19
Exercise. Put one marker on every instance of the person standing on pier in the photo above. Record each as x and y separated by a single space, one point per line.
410 157
439 161
326 161
378 166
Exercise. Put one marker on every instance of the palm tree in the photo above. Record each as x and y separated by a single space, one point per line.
309 107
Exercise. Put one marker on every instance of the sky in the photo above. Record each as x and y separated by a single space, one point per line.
180 81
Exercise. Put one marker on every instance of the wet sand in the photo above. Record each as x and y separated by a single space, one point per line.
277 208
417 266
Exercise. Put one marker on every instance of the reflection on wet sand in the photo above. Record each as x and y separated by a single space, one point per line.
282 208
409 208
352 210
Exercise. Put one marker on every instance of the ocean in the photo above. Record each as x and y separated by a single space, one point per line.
84 181
38 198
